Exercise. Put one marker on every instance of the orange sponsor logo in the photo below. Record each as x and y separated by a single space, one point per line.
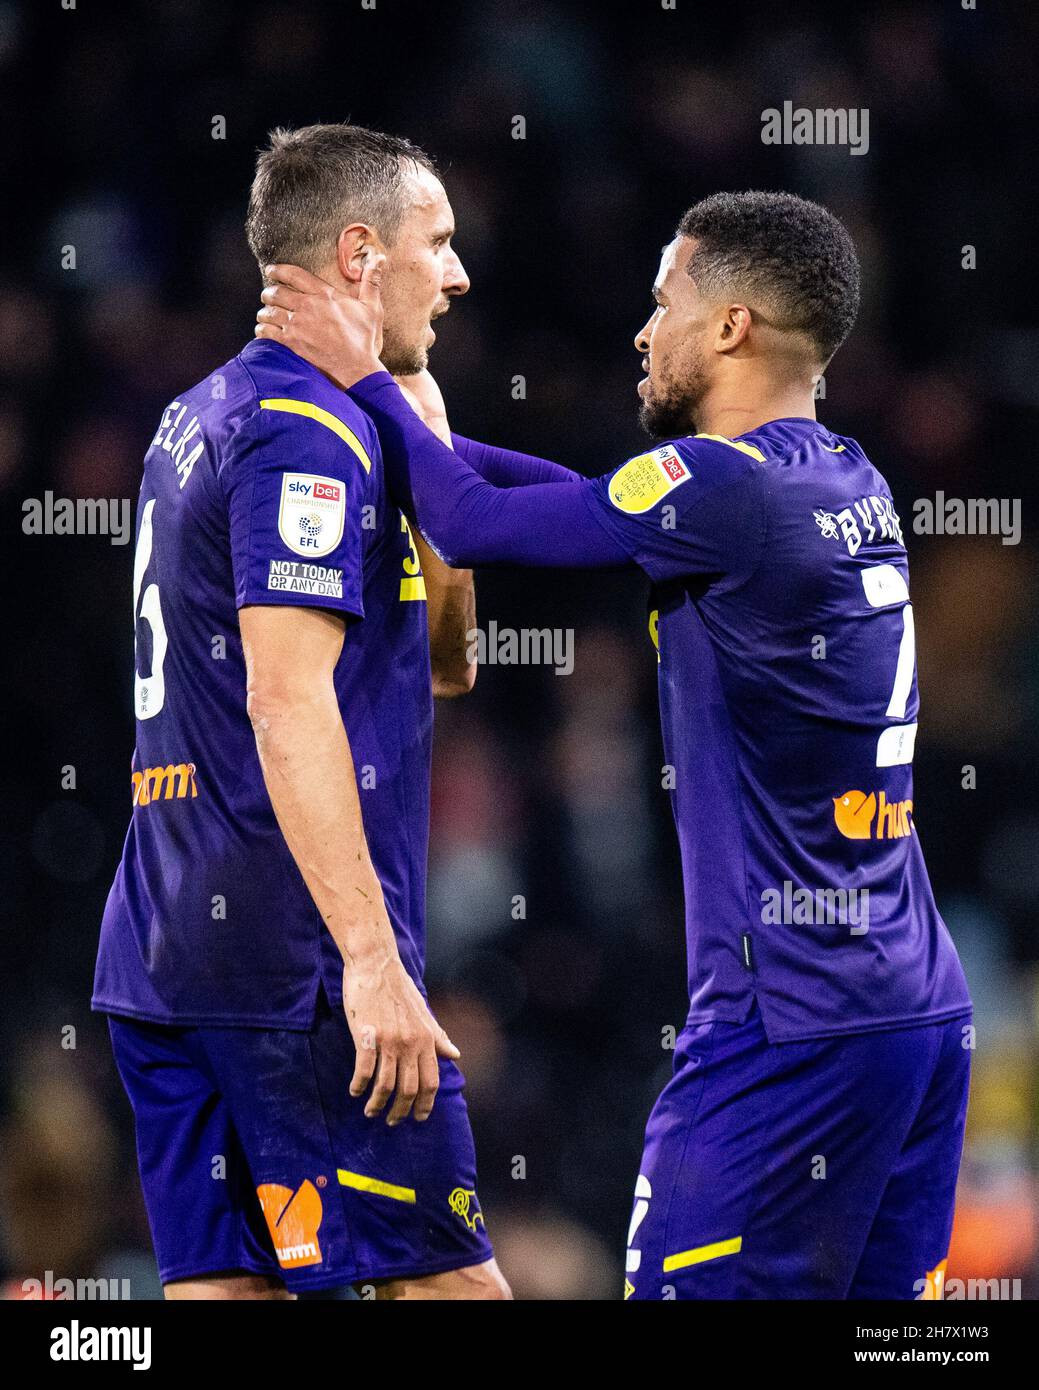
934 1282
293 1219
870 816
175 781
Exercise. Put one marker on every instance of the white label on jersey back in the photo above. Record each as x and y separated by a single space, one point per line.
312 513
884 585
896 745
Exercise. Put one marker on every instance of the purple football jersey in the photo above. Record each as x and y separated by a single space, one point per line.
788 696
263 484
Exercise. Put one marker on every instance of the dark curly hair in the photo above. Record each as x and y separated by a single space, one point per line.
792 257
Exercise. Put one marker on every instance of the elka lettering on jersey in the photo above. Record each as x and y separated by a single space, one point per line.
174 435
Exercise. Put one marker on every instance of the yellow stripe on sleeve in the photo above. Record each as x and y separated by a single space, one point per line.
360 1183
323 417
702 1253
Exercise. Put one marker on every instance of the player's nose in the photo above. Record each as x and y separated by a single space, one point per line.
642 337
455 279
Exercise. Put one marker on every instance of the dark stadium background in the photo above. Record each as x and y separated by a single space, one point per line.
544 786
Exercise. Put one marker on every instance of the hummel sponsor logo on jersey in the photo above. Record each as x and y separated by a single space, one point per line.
860 816
174 782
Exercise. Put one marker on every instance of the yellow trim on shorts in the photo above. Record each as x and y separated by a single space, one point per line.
360 1183
703 1252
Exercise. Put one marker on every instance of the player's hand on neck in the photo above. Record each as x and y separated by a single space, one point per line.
339 331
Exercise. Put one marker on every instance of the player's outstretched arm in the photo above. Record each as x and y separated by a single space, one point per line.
506 467
466 519
663 511
291 654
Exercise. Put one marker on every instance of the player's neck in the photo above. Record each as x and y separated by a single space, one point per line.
732 414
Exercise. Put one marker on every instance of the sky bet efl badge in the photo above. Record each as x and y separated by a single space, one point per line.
643 481
312 512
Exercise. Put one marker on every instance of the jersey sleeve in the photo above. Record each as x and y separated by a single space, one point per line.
507 468
297 481
694 506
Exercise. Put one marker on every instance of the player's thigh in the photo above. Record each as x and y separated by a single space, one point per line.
765 1163
484 1282
202 1209
905 1253
219 1288
349 1199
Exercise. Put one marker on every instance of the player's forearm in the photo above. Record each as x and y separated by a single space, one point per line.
309 773
506 467
451 605
466 519
450 593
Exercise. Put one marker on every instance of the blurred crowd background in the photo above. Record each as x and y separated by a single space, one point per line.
544 786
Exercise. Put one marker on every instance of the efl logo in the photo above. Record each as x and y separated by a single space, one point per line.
311 514
293 1219
858 816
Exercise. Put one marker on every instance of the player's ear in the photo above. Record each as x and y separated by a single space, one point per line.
354 244
733 327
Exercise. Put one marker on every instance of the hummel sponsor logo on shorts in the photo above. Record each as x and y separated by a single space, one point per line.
293 1219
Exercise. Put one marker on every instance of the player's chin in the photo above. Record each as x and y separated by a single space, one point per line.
663 419
405 361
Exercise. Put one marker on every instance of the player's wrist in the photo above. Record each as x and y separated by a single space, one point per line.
369 950
348 374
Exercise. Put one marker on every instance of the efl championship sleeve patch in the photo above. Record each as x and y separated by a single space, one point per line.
644 480
312 513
